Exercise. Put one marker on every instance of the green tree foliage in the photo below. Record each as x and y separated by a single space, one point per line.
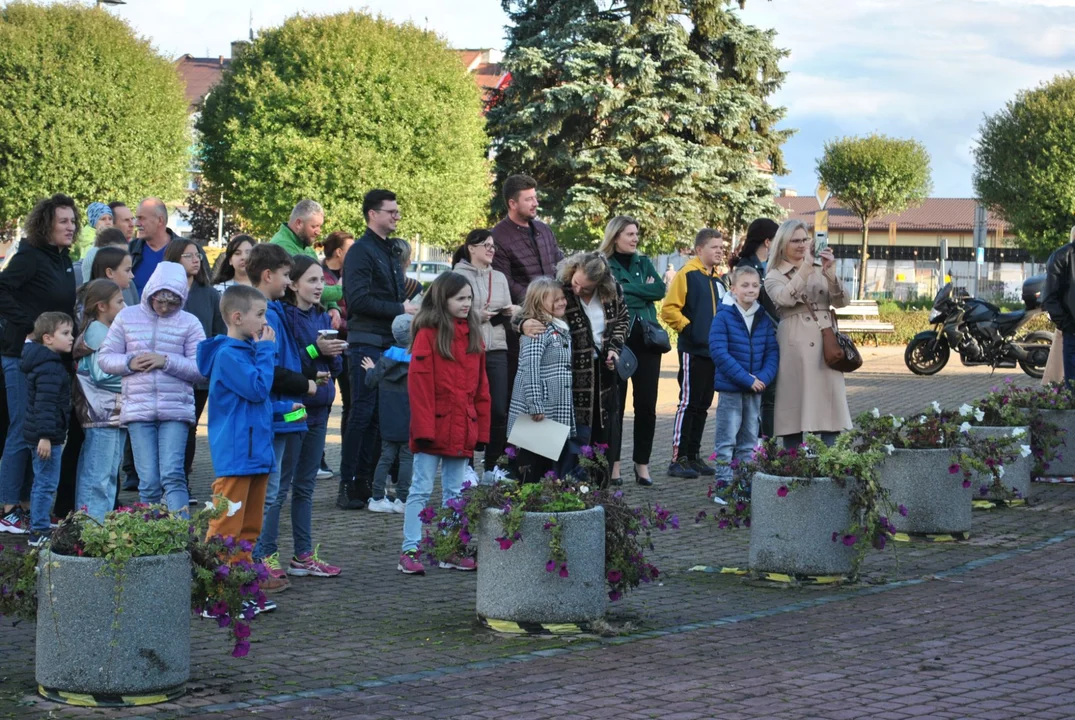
329 107
651 108
203 214
87 109
873 176
1025 168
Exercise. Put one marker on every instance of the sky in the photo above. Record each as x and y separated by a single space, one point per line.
927 69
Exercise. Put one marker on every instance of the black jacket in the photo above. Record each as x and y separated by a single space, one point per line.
1058 297
36 280
48 395
373 281
389 375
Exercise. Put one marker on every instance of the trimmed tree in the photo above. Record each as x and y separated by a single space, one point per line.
873 176
328 107
1024 168
619 108
88 109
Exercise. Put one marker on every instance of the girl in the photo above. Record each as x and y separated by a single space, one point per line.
449 404
97 402
305 318
153 347
203 302
543 383
231 270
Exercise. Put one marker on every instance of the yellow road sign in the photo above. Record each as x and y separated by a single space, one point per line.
822 194
821 221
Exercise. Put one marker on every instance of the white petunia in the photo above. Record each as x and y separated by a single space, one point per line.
1018 432
209 505
897 422
876 413
233 507
964 428
979 415
921 418
1025 450
965 410
890 449
1000 471
936 406
584 489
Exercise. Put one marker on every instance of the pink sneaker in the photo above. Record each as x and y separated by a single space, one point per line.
15 522
310 564
458 562
409 564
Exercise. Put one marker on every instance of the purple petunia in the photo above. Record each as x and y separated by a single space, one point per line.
550 566
505 543
903 510
953 468
850 540
563 570
782 491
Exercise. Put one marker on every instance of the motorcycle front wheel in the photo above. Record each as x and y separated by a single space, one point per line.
1037 356
926 354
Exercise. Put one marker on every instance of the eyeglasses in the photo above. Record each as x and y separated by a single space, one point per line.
168 299
188 256
393 213
491 247
799 241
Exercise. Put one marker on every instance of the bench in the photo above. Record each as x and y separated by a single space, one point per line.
862 317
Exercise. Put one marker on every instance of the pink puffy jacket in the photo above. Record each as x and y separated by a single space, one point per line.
166 394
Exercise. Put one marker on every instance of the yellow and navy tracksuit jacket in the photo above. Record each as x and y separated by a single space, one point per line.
691 304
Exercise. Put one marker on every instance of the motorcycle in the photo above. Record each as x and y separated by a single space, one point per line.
980 333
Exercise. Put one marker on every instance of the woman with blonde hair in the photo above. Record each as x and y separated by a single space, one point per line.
810 396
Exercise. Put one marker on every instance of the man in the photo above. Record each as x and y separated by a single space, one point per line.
525 246
1058 299
689 307
147 250
122 218
373 280
299 235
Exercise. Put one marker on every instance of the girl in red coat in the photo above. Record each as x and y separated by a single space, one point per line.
449 404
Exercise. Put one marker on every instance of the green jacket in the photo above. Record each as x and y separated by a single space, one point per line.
642 287
289 241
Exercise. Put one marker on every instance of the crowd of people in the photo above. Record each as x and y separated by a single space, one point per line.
110 362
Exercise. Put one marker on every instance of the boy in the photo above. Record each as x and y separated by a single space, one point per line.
48 402
689 308
742 343
389 376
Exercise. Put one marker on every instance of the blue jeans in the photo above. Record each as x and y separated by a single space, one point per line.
16 466
358 450
287 448
389 452
159 448
738 422
98 463
451 484
46 480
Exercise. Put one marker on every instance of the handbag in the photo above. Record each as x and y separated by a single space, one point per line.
655 337
626 364
840 351
95 406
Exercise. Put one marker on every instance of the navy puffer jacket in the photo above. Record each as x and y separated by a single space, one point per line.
739 353
48 395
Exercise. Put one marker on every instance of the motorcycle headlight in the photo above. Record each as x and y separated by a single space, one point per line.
934 314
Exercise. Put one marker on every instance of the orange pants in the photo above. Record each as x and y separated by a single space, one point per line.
245 524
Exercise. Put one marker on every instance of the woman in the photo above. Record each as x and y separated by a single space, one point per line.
597 316
203 302
38 278
755 253
492 298
231 270
642 287
336 246
810 396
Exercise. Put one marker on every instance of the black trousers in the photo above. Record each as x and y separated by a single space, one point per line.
344 383
65 492
201 397
496 368
644 382
695 397
768 409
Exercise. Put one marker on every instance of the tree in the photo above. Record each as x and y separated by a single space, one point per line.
873 176
203 214
88 109
329 107
1024 167
651 108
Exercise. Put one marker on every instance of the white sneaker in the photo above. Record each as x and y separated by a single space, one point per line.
384 505
398 506
469 476
719 500
323 474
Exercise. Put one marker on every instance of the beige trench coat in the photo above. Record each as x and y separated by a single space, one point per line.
810 396
1054 367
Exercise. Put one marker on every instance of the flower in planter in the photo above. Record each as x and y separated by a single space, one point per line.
782 491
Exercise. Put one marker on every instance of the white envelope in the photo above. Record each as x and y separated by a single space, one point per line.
546 438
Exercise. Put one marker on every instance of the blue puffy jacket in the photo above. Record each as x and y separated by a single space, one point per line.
287 357
739 353
240 411
304 325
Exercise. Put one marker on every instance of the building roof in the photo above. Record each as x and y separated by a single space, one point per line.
199 76
954 215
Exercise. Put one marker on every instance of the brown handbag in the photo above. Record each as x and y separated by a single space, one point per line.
839 350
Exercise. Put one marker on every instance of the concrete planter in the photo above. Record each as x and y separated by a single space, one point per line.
513 584
1016 474
936 501
1064 466
79 651
793 534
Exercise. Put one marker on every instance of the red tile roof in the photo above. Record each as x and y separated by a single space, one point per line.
933 215
200 75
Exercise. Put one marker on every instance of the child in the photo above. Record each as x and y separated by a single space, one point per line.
48 399
115 265
389 376
449 404
97 402
152 346
742 343
543 383
239 366
305 319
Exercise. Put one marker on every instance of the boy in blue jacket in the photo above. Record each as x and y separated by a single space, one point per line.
742 343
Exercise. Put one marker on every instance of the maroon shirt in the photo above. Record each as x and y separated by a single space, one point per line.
524 253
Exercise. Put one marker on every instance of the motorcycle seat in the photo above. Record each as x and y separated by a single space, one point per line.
1011 319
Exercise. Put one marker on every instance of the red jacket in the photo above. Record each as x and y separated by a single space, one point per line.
449 398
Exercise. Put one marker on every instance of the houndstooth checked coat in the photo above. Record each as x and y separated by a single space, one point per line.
543 381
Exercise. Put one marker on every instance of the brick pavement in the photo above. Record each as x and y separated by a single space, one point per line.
372 624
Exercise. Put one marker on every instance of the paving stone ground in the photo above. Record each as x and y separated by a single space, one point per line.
976 629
